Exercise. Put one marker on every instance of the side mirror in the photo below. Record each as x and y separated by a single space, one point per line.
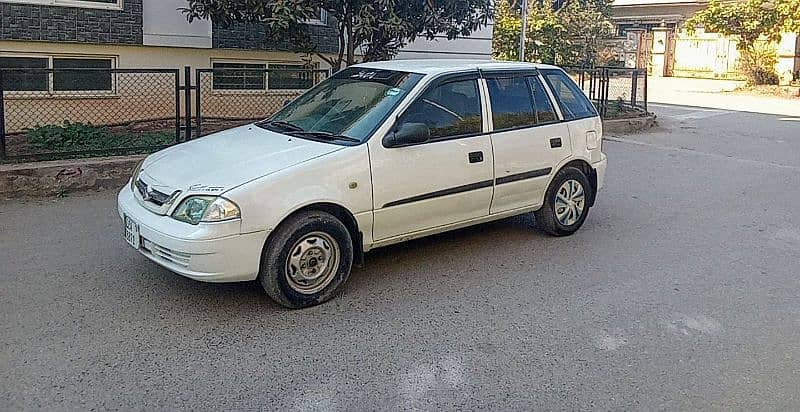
407 134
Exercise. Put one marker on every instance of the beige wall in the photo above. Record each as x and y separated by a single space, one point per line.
138 96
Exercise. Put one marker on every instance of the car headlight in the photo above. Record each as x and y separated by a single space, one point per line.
196 209
135 177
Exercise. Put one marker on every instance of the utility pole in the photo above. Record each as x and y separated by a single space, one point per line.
524 29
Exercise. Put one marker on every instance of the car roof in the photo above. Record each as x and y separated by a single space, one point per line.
437 66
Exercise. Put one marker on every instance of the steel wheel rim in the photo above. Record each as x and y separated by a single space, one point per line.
312 263
570 202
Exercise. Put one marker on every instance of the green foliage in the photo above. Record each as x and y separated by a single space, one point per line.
82 136
380 27
570 35
758 64
749 21
789 11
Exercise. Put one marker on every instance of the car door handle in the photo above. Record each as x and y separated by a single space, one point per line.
475 157
555 142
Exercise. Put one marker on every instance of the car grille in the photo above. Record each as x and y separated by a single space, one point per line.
151 195
178 258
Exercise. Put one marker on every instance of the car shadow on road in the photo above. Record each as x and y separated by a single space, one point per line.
455 250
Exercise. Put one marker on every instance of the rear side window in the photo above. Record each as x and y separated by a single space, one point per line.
450 109
573 102
541 102
512 103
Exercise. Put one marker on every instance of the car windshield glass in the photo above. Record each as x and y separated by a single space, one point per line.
352 103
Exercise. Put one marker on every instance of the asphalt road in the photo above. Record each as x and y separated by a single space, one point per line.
680 292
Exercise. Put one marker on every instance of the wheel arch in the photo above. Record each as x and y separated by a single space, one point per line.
588 171
340 212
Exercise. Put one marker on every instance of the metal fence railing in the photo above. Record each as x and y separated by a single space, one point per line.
50 114
613 90
60 113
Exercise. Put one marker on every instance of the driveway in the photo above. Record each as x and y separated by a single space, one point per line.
680 292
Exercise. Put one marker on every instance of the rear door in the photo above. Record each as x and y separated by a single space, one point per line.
529 139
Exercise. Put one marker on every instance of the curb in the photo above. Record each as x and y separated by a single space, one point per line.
625 126
58 177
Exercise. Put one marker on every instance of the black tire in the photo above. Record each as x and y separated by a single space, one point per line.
546 218
274 276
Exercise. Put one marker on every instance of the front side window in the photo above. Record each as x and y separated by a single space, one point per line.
92 74
449 110
573 102
512 102
352 103
239 76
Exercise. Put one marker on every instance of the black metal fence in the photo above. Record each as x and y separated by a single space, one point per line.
64 113
50 114
615 91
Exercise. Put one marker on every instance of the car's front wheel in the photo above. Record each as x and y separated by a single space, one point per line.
566 203
306 259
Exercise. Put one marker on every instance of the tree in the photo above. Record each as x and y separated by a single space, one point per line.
569 35
748 21
378 27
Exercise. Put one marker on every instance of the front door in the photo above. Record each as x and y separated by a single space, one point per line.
445 180
529 140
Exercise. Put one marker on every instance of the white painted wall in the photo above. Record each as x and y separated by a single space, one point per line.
164 25
477 46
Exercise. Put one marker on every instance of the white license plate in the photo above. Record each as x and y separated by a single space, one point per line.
132 232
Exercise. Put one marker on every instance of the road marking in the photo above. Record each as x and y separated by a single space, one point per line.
697 152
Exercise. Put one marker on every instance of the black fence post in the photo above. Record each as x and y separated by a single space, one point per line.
634 86
177 74
187 84
2 120
199 121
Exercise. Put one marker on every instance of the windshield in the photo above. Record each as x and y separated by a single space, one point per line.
347 107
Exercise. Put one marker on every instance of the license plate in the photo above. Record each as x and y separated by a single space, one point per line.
132 232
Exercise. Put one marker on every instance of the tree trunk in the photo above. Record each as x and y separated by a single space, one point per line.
350 40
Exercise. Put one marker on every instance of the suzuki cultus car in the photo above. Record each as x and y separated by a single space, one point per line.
377 154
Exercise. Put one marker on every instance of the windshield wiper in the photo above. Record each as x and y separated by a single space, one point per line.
326 135
281 124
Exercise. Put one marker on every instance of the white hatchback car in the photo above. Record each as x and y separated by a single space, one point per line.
377 154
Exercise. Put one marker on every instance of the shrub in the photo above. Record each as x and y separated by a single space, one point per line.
758 64
83 136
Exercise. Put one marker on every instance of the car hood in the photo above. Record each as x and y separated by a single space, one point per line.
222 161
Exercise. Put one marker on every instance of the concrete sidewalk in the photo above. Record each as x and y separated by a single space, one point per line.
712 94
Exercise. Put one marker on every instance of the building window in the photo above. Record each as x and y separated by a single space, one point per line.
321 18
256 76
290 77
239 76
17 80
92 4
86 79
54 74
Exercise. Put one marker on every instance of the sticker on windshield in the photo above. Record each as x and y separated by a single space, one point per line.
394 91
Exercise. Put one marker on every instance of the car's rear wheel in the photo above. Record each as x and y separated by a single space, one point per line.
306 259
566 203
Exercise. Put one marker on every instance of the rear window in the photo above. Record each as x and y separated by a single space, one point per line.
571 99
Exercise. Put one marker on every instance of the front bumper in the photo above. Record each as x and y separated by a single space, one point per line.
208 252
